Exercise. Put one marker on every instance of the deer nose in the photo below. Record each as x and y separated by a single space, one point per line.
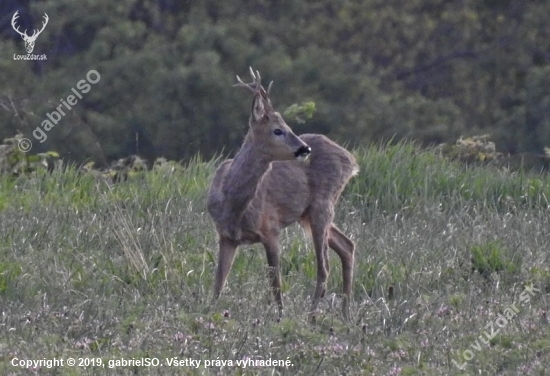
303 151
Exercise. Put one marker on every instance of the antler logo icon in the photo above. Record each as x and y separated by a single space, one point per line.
29 40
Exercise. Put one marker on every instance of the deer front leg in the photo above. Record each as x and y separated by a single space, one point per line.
272 252
226 255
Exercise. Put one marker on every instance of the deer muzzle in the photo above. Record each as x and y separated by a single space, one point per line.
303 151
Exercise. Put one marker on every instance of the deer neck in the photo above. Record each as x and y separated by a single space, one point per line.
242 179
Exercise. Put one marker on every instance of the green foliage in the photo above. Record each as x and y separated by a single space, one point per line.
490 258
14 160
421 70
9 272
297 113
540 276
476 149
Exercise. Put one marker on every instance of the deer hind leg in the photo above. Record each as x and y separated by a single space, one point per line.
320 220
272 252
345 249
226 255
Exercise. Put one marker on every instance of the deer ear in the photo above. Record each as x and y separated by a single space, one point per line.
258 108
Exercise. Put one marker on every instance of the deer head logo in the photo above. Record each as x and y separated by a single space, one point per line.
29 40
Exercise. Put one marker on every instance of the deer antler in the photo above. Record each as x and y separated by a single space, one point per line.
269 88
256 85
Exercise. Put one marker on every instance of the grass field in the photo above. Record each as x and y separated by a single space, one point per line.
451 271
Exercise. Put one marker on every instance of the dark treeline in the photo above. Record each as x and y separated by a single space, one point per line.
430 70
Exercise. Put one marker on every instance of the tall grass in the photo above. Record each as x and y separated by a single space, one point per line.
397 176
93 269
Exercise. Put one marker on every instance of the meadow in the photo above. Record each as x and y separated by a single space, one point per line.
451 277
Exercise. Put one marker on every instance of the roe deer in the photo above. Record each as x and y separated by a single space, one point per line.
276 179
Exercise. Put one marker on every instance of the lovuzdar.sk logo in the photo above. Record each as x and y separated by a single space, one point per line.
29 39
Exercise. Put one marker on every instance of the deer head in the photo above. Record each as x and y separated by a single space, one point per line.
29 40
269 132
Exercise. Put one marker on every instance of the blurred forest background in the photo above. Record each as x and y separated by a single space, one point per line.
429 70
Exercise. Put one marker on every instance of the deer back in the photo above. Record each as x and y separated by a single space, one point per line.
330 167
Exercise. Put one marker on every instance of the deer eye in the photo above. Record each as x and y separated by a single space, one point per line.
278 132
